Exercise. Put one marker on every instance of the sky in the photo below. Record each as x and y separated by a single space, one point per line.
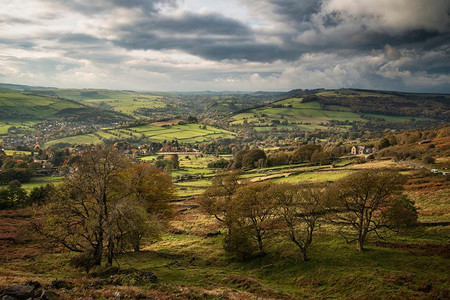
226 45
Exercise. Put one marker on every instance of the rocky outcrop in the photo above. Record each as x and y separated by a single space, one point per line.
30 290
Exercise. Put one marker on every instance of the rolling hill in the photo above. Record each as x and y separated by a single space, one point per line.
24 105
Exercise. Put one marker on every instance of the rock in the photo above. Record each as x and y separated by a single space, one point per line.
19 292
29 291
149 276
61 284
97 284
36 284
49 295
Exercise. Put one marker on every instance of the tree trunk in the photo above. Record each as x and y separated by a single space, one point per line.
260 245
110 251
304 257
97 255
360 245
136 244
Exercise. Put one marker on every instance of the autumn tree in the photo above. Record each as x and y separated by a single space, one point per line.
174 160
103 204
254 211
146 208
300 207
217 198
359 200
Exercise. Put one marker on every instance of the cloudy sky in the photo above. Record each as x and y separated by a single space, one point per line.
246 45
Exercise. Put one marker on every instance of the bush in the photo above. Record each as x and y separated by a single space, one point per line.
84 261
239 244
401 214
219 164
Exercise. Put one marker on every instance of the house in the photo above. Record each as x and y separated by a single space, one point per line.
358 150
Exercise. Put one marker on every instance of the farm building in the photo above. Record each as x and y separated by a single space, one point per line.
356 150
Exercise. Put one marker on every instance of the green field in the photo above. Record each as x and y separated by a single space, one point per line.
187 133
307 116
120 101
15 152
40 181
26 106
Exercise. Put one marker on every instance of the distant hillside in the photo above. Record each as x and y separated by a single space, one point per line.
25 105
311 110
415 105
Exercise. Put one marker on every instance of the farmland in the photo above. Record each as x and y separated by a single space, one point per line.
120 101
186 133
295 114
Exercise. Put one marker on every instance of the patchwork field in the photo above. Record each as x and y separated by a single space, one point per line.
187 133
294 114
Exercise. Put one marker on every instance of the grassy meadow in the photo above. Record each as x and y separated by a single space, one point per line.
120 101
191 264
26 106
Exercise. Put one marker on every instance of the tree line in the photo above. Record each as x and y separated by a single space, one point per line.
358 205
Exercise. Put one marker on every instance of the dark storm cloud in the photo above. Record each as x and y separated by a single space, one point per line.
90 7
216 37
296 10
211 36
79 38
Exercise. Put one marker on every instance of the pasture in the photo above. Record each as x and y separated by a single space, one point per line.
26 106
121 101
186 133
190 261
292 114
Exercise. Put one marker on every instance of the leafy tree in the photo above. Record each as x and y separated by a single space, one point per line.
304 153
147 204
360 198
12 196
39 194
400 214
253 210
248 159
105 204
175 162
219 164
300 208
217 198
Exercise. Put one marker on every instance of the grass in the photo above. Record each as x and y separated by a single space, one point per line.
26 106
309 116
315 176
192 264
120 101
40 181
187 133
15 152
